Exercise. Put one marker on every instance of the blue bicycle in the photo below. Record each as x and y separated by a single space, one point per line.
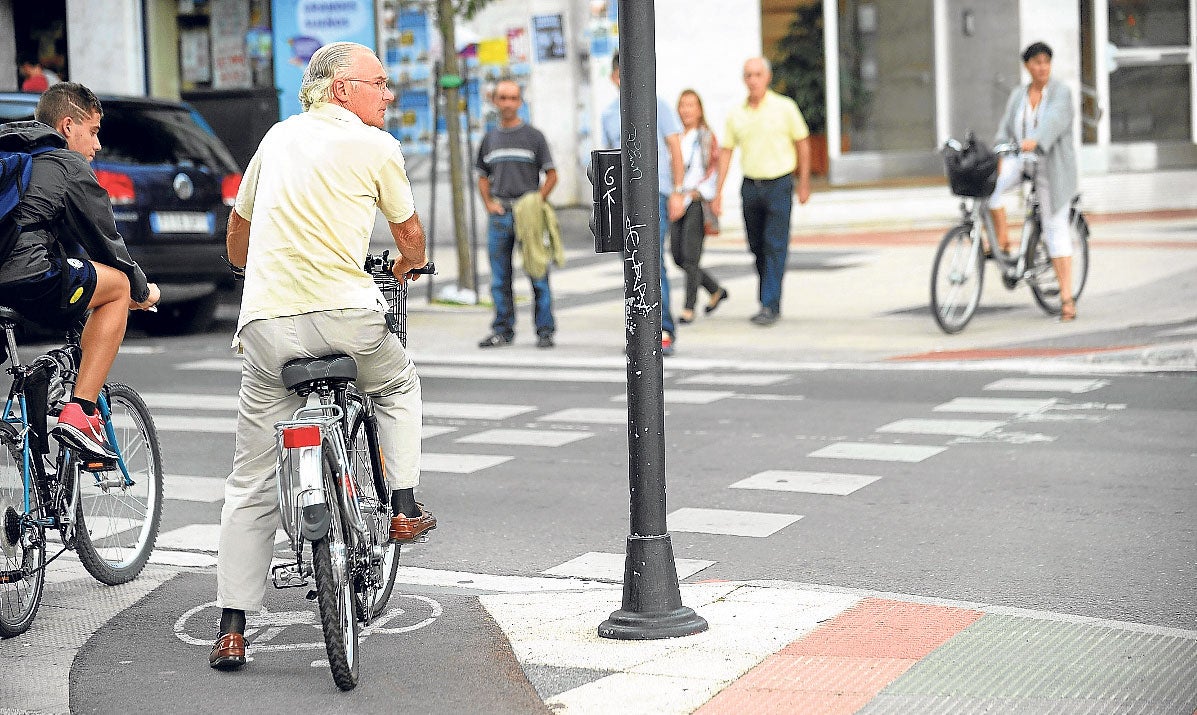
106 510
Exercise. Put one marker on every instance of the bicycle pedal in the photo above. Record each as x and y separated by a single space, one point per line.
287 576
97 464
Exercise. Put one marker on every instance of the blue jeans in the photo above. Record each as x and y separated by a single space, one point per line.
666 314
767 205
500 242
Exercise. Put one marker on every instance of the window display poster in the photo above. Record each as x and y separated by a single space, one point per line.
195 58
550 37
229 21
303 26
414 129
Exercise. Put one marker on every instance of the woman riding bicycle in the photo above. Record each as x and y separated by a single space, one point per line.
1039 117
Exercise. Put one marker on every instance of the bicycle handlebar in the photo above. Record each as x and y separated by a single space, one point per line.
382 265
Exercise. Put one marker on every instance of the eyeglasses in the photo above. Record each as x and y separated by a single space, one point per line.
381 85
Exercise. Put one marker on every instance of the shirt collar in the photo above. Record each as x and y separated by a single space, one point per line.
335 111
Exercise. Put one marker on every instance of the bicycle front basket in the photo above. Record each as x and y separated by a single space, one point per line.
972 171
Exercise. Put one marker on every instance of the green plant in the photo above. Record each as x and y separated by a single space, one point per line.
800 70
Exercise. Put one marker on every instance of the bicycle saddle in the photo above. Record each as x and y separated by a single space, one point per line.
8 316
330 367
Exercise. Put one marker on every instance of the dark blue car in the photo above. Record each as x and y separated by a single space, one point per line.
171 183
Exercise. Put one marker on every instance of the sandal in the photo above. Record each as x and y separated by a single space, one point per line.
1068 311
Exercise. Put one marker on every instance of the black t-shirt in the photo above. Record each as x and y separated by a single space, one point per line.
512 160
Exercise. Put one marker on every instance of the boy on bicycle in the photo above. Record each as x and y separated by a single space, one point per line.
69 258
301 229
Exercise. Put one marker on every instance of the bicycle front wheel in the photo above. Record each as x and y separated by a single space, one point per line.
22 545
374 498
331 558
1041 273
957 277
117 518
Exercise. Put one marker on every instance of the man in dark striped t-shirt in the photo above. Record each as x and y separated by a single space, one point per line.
510 161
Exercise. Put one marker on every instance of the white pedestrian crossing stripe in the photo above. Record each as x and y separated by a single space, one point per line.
1047 384
609 567
459 463
735 378
200 537
595 415
185 488
686 397
474 410
808 482
526 374
1007 405
732 523
951 428
525 437
877 452
189 401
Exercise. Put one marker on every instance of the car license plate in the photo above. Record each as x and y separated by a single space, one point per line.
182 222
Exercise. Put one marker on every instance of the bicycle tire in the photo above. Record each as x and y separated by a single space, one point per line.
334 588
957 276
1041 274
19 599
116 527
375 499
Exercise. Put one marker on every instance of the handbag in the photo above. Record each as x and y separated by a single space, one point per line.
710 222
972 169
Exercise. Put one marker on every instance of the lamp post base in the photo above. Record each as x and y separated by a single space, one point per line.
652 599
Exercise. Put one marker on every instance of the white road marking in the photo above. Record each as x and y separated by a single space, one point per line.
596 415
687 397
808 482
185 488
525 437
189 401
212 364
953 428
529 374
877 452
459 463
1007 405
732 523
1043 384
757 379
166 557
609 567
200 537
474 410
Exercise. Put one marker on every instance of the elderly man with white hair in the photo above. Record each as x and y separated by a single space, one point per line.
301 229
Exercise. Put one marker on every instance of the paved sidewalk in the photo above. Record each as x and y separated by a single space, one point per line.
777 647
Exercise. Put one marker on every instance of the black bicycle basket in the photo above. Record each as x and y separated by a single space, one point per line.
971 170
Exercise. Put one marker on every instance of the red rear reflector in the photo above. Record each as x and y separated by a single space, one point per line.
228 189
307 436
119 186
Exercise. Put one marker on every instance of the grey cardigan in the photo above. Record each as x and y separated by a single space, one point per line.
1054 134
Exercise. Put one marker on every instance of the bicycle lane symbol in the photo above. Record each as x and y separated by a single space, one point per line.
283 631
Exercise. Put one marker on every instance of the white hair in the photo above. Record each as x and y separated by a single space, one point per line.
326 62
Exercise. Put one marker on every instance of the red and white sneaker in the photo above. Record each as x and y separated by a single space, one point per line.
84 432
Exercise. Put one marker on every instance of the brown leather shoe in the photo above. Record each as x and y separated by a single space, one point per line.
404 530
228 653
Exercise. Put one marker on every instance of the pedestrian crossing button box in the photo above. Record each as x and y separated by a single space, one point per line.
606 213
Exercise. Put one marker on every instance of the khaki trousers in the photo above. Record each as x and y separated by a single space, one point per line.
250 516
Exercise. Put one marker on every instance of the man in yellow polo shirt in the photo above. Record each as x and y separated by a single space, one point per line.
774 151
301 228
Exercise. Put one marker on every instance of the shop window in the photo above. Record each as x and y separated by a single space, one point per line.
224 45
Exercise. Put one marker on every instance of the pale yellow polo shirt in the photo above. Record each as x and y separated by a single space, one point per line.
310 194
766 136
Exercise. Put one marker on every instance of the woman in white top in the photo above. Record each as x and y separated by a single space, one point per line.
700 154
1039 117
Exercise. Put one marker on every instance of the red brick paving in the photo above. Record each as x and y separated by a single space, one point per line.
838 668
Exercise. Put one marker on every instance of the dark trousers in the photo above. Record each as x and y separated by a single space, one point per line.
500 239
767 204
686 239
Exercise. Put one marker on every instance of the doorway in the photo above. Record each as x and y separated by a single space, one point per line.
41 35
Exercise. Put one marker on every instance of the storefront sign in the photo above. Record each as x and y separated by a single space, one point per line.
303 26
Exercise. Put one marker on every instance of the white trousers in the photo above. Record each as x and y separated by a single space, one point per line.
250 516
1057 235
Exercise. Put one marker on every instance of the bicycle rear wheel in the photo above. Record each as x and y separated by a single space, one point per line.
374 498
116 520
22 546
1041 274
957 277
331 558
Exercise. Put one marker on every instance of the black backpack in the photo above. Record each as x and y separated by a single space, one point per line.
15 169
